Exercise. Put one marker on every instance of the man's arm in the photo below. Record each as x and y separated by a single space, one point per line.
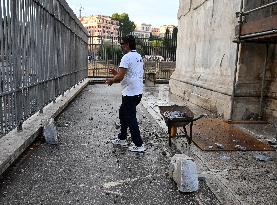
118 76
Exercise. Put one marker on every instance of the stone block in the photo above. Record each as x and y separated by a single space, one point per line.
184 172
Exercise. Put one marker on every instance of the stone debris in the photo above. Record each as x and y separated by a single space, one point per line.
183 171
239 147
225 157
50 132
262 157
174 114
272 142
220 146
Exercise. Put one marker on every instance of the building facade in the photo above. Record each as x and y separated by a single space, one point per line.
102 28
155 32
238 81
163 29
143 30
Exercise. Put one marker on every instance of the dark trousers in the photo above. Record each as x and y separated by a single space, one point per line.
127 116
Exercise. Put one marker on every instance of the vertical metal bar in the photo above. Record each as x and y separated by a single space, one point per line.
24 60
236 63
5 60
28 63
1 43
32 97
1 70
17 32
38 46
41 43
8 67
263 84
9 78
47 83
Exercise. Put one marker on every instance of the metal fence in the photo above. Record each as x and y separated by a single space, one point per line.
106 53
43 53
259 9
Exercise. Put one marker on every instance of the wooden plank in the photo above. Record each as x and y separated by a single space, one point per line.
266 24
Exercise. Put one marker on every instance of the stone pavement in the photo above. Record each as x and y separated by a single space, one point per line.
85 168
235 177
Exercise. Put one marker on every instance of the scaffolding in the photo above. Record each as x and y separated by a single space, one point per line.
255 25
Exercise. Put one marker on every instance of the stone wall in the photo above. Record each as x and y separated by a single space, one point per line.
206 53
206 60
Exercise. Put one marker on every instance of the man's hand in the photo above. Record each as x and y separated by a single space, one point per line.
113 71
118 76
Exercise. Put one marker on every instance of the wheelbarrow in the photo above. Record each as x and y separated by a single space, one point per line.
178 116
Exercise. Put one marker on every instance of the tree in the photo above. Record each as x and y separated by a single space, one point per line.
125 25
167 34
166 43
174 33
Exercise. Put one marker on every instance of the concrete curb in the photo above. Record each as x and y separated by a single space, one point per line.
14 143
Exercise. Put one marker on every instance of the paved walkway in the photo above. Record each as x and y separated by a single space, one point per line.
236 177
86 169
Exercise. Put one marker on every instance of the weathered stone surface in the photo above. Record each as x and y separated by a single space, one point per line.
206 61
184 173
184 7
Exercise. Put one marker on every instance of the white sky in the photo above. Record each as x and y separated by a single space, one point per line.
155 12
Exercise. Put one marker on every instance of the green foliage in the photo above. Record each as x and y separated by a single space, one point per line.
126 26
156 43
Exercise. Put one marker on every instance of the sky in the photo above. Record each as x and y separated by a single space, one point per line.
154 12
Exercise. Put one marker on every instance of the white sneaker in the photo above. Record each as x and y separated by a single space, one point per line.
119 142
134 148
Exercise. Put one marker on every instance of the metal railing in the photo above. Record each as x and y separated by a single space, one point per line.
106 53
257 10
43 53
269 7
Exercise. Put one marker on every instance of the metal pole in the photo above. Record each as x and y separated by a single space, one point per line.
263 84
245 37
236 62
259 8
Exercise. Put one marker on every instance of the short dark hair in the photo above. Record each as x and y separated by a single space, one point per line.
131 40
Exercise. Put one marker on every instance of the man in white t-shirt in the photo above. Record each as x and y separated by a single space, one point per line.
130 75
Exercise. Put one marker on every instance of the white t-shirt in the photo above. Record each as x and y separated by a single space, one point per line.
132 83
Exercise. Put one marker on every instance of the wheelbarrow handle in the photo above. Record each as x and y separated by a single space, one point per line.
199 117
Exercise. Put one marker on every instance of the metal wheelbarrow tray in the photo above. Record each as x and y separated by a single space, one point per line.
185 117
